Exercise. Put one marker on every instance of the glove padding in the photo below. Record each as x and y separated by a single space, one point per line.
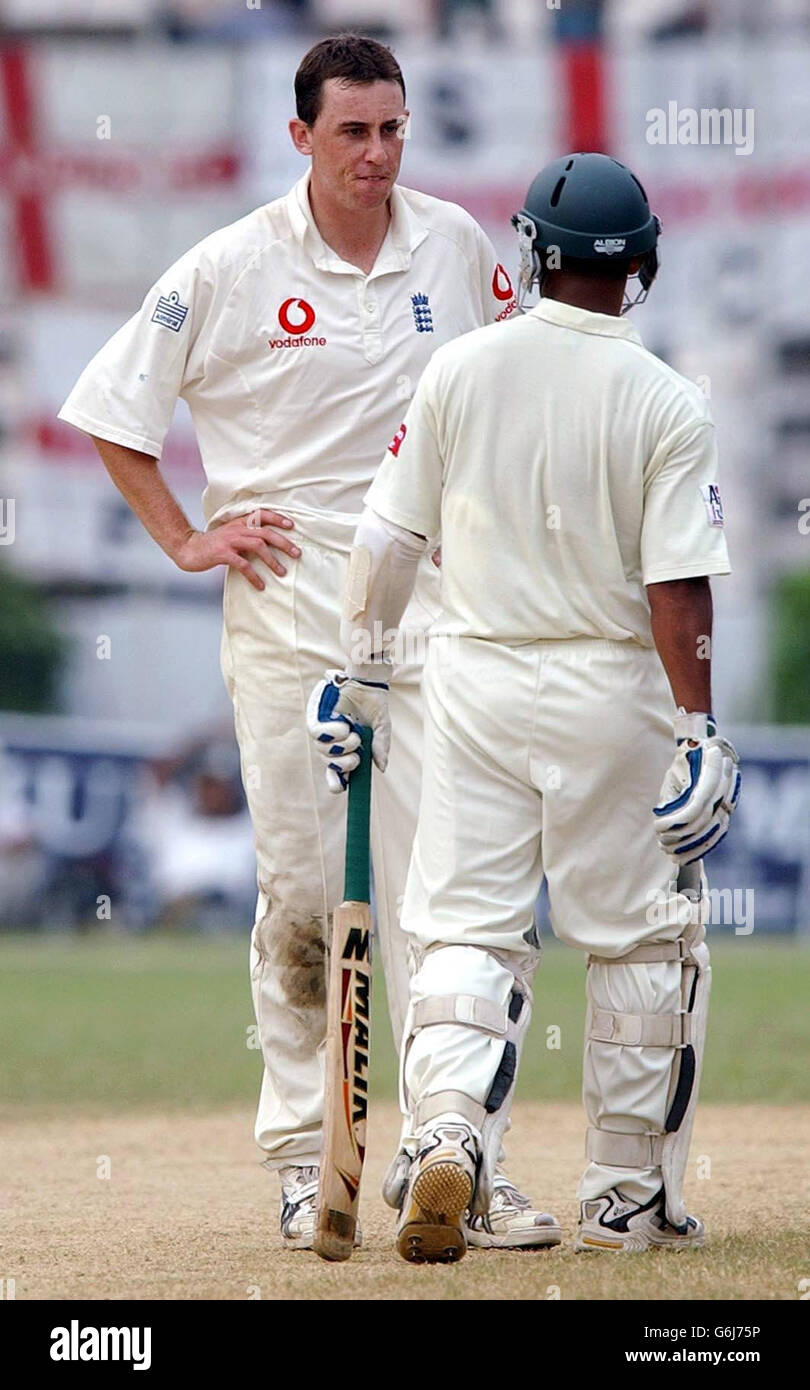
700 790
337 707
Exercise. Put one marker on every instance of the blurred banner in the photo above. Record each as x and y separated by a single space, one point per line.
121 824
117 157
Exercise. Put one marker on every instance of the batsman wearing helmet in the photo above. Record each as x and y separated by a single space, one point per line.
573 478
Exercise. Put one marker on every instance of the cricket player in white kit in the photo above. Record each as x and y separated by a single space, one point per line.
573 479
295 336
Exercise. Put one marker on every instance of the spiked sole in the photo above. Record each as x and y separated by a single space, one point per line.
433 1230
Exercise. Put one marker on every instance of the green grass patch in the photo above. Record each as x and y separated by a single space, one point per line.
166 1022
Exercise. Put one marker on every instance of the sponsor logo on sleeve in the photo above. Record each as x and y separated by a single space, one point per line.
396 442
502 289
296 317
170 312
710 493
501 284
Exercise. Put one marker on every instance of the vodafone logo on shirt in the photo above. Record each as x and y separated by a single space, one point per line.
296 317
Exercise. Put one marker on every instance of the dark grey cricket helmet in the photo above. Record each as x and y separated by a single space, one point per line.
592 208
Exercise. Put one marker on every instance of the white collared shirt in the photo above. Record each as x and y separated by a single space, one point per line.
565 467
296 366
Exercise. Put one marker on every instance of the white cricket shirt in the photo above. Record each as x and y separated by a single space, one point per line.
295 364
565 467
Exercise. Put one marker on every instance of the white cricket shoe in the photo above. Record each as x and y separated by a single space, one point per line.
511 1222
614 1223
440 1187
299 1205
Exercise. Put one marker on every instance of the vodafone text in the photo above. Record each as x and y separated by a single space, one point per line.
296 342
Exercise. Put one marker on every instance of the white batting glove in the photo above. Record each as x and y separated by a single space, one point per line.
337 706
700 791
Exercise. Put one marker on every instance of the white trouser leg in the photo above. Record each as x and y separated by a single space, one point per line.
276 644
395 795
469 908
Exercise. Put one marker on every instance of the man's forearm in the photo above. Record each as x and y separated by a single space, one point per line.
681 619
382 571
141 483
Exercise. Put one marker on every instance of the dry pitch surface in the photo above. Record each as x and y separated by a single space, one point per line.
188 1213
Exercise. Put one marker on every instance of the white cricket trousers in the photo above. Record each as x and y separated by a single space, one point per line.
276 644
546 759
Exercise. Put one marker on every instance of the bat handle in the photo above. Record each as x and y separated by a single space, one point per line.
357 885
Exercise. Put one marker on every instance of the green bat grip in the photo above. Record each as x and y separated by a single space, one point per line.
357 888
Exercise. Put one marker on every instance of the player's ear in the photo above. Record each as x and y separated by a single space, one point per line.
635 265
300 135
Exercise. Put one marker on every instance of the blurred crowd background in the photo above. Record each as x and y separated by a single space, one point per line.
129 129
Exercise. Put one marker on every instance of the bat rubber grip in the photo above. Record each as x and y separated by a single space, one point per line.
357 885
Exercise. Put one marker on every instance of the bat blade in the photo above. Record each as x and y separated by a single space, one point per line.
346 1091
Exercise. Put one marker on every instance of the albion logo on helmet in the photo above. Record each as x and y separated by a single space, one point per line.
610 245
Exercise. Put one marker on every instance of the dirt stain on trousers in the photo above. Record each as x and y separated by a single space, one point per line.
292 944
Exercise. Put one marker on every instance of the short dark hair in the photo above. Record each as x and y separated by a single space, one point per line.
351 57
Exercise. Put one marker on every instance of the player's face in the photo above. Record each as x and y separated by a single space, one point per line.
357 141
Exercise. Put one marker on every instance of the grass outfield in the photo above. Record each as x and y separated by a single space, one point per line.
110 1023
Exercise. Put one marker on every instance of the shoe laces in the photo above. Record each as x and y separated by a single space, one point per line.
505 1194
299 1184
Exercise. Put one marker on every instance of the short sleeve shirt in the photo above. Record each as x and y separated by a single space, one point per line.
565 467
294 363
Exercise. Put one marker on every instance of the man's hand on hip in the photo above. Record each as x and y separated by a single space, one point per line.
338 705
259 533
700 790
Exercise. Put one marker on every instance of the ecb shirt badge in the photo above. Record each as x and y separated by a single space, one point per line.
710 493
170 312
422 316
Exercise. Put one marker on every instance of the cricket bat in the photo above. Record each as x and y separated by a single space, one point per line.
347 1037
